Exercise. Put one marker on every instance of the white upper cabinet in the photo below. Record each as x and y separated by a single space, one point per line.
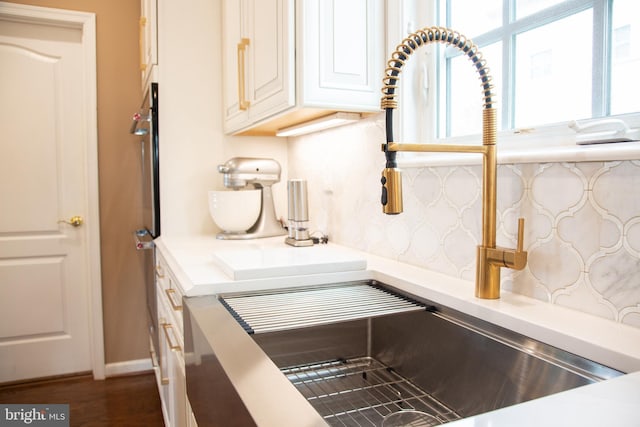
341 54
286 61
148 39
258 46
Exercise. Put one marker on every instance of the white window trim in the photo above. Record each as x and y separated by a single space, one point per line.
553 143
549 144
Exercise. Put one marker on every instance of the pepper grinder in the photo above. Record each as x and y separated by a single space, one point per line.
298 214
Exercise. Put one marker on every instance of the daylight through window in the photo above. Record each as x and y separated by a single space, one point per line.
551 60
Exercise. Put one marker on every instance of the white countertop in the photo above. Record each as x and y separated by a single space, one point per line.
199 271
614 402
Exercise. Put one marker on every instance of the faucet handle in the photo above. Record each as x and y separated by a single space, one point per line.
516 259
509 258
520 242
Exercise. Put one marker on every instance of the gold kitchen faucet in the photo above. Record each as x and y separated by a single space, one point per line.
490 258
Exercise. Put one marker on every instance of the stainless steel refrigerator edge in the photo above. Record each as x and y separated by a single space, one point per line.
145 124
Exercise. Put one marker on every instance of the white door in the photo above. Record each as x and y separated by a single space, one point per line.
45 266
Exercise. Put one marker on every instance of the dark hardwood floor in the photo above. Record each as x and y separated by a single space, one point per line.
121 401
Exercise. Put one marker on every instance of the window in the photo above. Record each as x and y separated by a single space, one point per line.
552 61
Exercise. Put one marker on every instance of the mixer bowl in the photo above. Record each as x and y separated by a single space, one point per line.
235 211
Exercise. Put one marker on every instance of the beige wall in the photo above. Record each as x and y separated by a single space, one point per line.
192 141
119 96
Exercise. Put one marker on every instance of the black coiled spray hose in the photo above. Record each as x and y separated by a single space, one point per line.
401 55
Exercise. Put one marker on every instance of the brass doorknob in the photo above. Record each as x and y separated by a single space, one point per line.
76 221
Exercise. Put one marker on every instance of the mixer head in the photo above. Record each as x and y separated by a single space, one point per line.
239 172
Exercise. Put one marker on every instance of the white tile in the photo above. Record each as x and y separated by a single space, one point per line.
524 283
582 297
617 190
460 248
424 243
511 186
538 224
631 318
616 277
398 234
588 232
558 188
471 219
555 264
462 187
442 217
632 236
427 186
589 169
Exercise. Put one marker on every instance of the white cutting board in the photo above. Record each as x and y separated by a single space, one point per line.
267 262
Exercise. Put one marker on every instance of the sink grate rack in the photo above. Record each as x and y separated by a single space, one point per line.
278 310
362 391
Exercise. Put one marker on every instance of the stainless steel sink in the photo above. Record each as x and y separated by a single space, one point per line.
355 371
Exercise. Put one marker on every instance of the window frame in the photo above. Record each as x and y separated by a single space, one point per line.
506 34
549 142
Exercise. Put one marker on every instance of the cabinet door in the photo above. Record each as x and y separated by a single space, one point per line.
163 359
178 389
191 418
342 48
271 57
258 60
172 381
234 53
148 39
173 393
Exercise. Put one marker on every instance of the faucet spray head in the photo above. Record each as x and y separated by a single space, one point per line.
391 191
391 181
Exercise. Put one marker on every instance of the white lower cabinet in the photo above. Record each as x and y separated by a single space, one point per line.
170 371
191 419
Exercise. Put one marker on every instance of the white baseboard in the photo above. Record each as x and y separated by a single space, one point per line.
128 367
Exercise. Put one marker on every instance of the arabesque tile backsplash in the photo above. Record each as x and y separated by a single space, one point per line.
582 220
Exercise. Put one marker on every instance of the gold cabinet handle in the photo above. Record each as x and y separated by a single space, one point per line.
172 346
243 104
141 36
75 220
163 380
159 272
154 360
171 296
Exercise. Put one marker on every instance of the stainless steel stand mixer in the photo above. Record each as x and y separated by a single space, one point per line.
240 172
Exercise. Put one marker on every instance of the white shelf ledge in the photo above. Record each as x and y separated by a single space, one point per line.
550 144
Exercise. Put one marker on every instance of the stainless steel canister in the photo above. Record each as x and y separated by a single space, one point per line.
298 203
298 217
